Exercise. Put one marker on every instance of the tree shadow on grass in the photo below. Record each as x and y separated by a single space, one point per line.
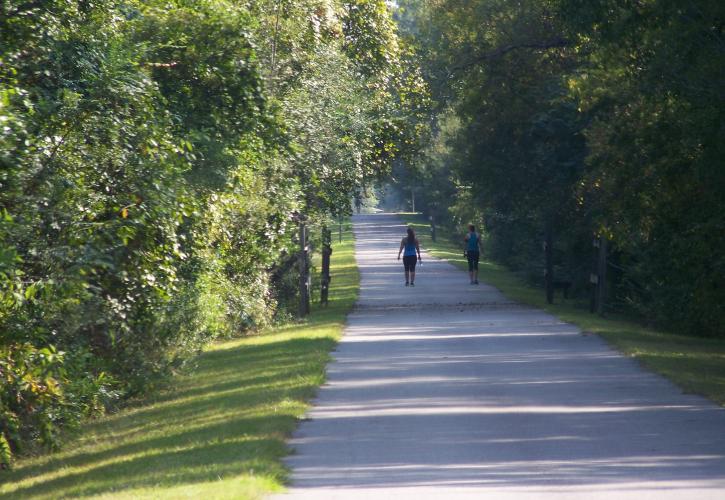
229 416
169 465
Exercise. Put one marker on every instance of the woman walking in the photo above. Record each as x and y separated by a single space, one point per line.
411 247
472 252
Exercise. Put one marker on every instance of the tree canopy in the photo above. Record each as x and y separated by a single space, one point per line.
583 119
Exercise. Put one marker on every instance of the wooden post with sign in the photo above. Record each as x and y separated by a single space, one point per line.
304 268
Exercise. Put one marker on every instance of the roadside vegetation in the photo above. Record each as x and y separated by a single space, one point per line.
696 364
156 161
218 431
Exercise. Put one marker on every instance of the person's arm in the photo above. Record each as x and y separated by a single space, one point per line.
417 247
402 245
465 245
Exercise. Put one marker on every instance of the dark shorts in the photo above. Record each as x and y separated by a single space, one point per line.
473 260
409 262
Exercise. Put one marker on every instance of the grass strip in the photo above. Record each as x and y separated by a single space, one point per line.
220 432
695 364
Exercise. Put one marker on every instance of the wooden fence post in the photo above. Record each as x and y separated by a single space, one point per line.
593 277
598 277
602 275
326 253
304 267
549 255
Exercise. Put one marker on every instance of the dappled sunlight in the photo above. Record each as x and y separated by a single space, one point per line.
375 337
443 406
194 434
623 472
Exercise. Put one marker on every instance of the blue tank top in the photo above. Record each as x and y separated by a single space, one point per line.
472 242
409 248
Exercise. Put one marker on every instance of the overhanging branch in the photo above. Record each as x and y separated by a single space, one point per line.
554 43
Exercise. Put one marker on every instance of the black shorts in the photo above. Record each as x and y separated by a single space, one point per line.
472 259
409 262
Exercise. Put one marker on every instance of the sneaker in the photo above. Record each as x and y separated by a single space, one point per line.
412 284
407 284
475 282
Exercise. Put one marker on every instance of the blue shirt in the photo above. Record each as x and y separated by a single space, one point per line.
472 242
409 248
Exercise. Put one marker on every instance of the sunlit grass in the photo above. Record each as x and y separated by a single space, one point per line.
696 364
218 433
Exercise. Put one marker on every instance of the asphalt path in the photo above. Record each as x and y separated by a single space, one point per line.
449 390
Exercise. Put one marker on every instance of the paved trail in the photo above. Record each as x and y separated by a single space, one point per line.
447 390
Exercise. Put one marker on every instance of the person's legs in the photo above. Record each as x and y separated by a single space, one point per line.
469 257
475 267
408 269
413 261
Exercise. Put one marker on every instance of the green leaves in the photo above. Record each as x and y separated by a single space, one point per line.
152 155
583 118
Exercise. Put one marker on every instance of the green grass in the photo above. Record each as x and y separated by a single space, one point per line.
219 433
696 364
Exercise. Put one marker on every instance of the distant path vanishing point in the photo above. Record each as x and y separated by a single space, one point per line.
448 390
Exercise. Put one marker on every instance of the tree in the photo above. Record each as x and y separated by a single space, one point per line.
583 119
154 157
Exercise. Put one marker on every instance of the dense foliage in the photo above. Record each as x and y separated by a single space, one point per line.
583 119
154 157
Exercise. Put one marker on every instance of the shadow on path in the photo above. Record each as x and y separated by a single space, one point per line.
450 386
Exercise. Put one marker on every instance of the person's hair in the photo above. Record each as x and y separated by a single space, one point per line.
472 228
411 235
